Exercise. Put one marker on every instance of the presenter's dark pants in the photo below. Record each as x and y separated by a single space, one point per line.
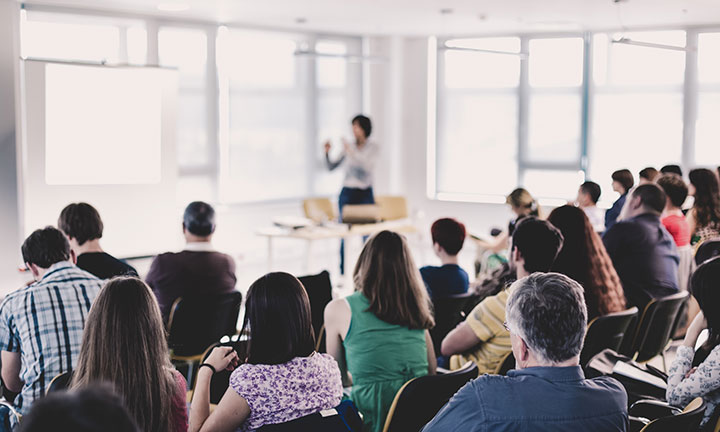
352 196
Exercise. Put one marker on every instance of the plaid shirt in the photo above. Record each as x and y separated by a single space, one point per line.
44 323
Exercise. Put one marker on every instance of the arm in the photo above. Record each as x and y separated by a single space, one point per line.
332 165
498 244
432 360
337 323
11 371
232 410
692 222
459 340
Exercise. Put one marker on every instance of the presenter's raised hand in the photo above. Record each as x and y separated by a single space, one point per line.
327 146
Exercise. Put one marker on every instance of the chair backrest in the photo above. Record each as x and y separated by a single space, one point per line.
687 421
448 313
606 332
656 326
319 209
59 383
319 291
196 323
708 249
343 418
417 402
392 207
507 363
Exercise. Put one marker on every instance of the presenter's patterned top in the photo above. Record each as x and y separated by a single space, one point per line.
704 382
284 392
359 165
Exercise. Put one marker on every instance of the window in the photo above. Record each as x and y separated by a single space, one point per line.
707 127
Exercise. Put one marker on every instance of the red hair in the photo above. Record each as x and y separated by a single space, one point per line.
449 234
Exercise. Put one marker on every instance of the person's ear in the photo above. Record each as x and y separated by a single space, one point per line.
73 257
523 350
33 269
516 255
437 248
184 230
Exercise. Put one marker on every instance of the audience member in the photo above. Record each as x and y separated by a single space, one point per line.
671 169
41 325
83 227
584 259
95 409
673 218
642 251
546 318
697 374
448 236
379 334
587 198
482 338
704 217
199 270
522 205
283 378
647 175
622 183
124 344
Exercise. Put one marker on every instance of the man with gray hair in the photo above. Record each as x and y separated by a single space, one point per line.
546 318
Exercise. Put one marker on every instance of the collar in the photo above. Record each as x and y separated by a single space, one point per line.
199 247
550 373
61 265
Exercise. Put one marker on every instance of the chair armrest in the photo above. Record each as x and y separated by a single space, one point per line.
442 371
652 409
637 423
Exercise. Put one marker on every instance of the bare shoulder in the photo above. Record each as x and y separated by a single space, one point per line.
337 309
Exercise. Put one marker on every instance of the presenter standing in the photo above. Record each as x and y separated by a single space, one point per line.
359 158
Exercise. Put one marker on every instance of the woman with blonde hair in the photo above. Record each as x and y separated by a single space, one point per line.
379 335
124 345
522 205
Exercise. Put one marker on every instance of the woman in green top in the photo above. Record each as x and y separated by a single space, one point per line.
379 335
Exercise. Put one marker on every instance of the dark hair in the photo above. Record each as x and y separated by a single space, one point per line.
703 287
671 169
625 178
81 221
45 247
277 314
538 242
88 410
584 259
199 218
651 196
674 187
364 123
449 234
592 189
707 196
648 173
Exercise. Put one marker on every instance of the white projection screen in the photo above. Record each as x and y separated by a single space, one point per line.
106 136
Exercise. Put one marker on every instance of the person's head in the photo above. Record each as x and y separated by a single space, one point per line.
547 317
704 187
362 127
671 169
124 344
43 248
387 275
648 175
535 245
675 189
647 198
522 203
622 181
277 313
92 409
198 221
588 194
80 222
448 236
703 287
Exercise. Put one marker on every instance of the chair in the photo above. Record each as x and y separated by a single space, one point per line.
507 363
606 332
196 323
417 402
448 313
706 250
319 209
392 207
319 291
221 379
656 416
59 383
343 418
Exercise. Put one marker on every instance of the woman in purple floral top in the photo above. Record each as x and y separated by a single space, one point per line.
282 378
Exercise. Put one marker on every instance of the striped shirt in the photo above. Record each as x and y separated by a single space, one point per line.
44 322
486 321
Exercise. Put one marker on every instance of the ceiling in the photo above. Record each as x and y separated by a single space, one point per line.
426 17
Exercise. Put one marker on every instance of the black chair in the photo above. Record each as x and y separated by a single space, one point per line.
59 383
417 402
343 418
657 416
606 332
507 363
449 312
708 249
221 379
319 291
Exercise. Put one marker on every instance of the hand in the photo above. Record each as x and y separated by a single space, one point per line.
693 332
223 357
690 372
328 146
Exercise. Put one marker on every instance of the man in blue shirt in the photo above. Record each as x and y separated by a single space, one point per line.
546 317
448 236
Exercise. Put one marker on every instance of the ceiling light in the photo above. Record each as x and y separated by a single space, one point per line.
173 7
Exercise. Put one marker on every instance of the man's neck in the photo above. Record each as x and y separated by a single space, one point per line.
520 272
191 238
446 259
89 246
532 362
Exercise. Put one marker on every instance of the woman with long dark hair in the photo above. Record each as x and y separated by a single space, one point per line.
704 217
583 258
697 373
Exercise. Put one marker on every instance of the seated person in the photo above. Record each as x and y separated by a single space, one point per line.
283 377
547 391
622 183
83 227
642 251
673 219
647 175
199 270
482 338
587 198
448 236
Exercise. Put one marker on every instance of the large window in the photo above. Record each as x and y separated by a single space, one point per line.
707 131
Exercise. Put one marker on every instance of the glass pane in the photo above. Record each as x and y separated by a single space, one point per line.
554 128
709 57
556 62
260 60
466 69
192 128
185 49
70 41
477 144
552 183
707 132
137 45
194 188
333 124
331 72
